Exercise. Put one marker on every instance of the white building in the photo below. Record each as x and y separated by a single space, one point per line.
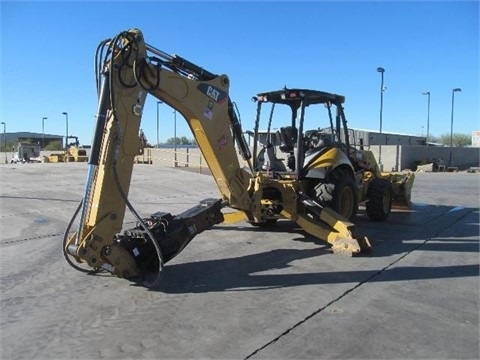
476 138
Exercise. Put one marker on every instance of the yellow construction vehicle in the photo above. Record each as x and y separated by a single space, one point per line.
72 154
334 168
128 70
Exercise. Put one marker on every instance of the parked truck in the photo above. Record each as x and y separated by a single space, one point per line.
26 153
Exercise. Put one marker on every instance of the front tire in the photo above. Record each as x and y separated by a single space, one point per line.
341 196
380 199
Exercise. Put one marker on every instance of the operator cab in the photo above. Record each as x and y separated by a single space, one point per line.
291 145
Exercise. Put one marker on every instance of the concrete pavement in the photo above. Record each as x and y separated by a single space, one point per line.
237 291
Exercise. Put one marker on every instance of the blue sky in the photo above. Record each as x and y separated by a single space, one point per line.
48 48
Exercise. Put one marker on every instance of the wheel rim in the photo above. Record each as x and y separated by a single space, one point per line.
346 202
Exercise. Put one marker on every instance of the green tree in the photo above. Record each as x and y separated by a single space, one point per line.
54 145
9 146
458 140
180 141
432 139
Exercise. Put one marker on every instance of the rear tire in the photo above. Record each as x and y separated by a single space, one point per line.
380 199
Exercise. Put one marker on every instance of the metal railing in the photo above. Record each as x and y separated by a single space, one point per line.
187 158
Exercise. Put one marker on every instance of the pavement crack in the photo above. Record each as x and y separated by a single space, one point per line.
8 242
340 297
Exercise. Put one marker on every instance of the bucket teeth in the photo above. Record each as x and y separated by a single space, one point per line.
351 246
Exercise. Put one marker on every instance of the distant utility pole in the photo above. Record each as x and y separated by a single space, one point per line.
158 124
451 124
175 135
66 137
381 70
43 133
428 113
5 140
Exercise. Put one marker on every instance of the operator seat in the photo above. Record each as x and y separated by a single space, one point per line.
267 159
287 137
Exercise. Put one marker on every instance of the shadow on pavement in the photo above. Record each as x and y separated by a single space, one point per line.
402 232
239 273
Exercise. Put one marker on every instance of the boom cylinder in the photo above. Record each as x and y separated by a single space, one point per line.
101 120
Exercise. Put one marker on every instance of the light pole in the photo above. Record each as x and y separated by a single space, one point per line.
158 140
451 124
175 135
4 140
66 137
381 70
428 113
43 132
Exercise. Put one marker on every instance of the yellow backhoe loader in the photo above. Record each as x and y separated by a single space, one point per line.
332 170
310 190
72 154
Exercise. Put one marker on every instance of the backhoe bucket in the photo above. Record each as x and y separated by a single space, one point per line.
402 184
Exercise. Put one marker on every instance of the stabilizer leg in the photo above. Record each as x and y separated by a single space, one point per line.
327 225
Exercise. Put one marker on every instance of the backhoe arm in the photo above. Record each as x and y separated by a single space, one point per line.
129 74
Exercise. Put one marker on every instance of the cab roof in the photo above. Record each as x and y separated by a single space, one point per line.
294 97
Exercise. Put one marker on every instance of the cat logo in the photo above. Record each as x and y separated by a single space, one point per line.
212 92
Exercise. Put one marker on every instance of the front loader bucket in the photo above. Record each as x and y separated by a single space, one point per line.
402 184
